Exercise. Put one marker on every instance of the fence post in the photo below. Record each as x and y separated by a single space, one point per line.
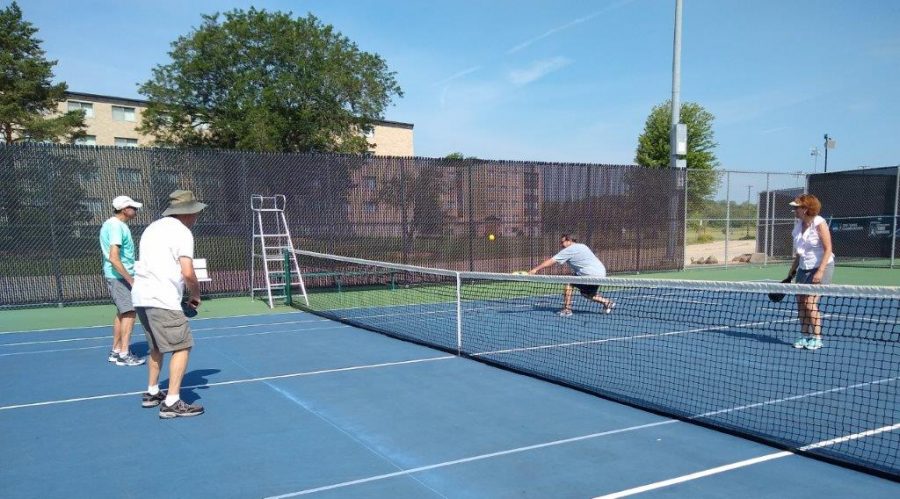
51 211
404 215
896 205
685 180
471 219
727 214
770 222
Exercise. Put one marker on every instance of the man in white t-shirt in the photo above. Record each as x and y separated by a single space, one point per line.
583 262
164 269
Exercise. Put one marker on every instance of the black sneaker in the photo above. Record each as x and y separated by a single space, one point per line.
179 409
149 401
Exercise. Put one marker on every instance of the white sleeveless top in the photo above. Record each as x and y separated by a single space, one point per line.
808 245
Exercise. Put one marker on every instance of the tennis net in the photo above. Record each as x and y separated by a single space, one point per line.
720 354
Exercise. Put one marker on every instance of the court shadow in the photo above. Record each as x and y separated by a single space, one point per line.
762 338
140 348
193 381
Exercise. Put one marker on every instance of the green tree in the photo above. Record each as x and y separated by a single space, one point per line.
266 81
653 148
28 98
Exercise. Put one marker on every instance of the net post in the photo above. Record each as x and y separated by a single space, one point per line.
287 277
458 314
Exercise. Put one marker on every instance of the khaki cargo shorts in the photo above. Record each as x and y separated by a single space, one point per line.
166 330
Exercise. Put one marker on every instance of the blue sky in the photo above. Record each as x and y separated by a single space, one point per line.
561 80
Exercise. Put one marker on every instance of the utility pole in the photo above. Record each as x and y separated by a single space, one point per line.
814 152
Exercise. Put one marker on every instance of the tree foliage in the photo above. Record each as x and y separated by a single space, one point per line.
653 150
28 98
266 81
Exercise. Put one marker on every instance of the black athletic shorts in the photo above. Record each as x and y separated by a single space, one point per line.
587 290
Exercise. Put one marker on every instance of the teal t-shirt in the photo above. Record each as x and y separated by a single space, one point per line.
116 232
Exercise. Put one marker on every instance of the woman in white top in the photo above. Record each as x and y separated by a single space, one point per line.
813 264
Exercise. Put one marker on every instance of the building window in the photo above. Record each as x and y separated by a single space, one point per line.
371 183
128 176
94 206
370 207
87 107
167 178
120 113
91 175
125 142
87 140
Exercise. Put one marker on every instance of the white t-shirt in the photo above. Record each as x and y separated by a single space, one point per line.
808 245
581 260
158 281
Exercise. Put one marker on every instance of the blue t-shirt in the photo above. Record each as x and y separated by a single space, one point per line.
581 260
116 232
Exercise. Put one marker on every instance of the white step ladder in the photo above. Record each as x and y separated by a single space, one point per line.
271 237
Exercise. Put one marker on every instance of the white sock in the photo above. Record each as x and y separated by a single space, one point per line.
153 390
171 399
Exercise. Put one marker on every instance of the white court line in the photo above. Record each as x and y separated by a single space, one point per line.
198 338
106 337
595 435
862 319
235 382
798 397
110 325
742 464
626 338
470 459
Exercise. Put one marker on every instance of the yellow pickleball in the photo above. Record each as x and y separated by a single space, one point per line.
491 237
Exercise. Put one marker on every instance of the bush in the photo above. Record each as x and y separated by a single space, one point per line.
705 237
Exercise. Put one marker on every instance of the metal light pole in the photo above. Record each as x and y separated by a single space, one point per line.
678 131
829 144
677 143
814 152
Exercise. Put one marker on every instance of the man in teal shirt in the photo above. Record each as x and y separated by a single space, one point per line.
117 247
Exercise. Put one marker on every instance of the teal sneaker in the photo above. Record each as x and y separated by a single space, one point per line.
814 344
801 343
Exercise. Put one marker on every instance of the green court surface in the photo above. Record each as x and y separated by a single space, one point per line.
101 315
854 276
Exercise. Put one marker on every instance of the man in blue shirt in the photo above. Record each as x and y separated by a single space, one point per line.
583 262
117 247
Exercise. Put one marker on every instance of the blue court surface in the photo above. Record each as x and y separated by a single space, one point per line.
298 405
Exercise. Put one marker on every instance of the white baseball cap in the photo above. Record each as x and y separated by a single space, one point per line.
122 202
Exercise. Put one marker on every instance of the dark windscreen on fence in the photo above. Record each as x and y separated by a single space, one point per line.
424 211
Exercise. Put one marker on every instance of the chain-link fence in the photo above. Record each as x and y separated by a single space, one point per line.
736 218
431 212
